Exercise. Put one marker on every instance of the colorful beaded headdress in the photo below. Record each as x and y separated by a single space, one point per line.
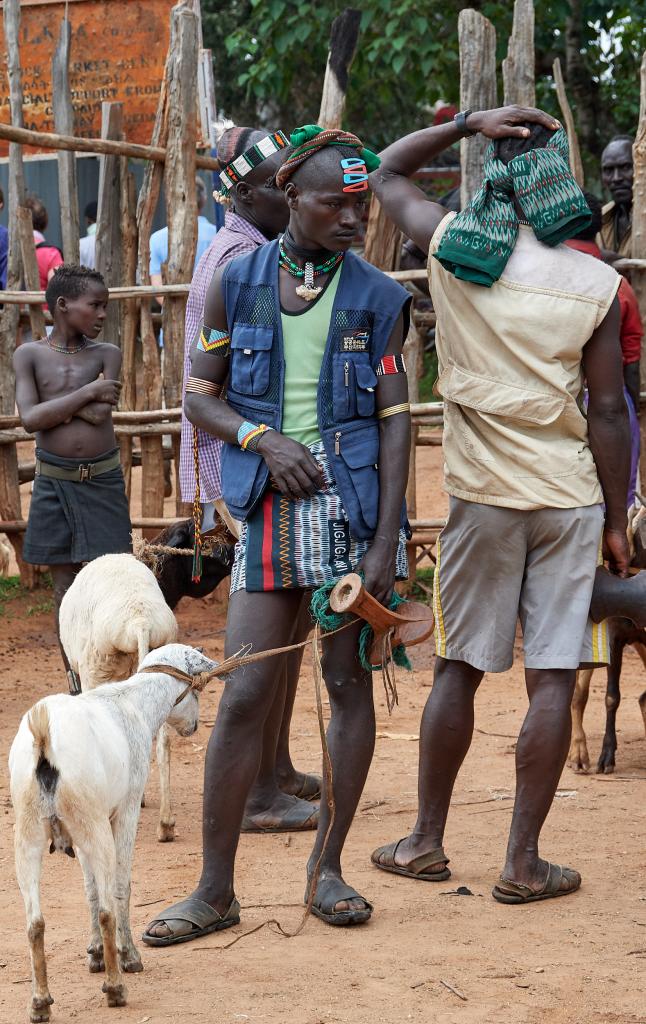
244 164
309 139
478 242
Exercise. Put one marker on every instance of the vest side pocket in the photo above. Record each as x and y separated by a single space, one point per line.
366 384
354 460
240 470
353 386
250 358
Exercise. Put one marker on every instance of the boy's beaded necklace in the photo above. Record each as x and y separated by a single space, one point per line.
64 350
308 290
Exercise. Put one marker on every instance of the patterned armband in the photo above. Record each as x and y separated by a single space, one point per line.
249 435
211 340
392 410
391 364
202 387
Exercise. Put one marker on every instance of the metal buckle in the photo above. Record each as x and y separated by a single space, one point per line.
85 472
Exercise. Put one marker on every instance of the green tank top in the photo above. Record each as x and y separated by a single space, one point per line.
304 339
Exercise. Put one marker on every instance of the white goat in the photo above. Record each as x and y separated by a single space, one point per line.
111 616
6 554
78 767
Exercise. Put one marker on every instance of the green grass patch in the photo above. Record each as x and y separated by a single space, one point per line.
429 377
422 589
11 589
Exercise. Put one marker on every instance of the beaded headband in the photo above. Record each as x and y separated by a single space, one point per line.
244 164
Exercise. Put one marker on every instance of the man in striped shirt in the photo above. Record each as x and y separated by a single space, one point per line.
258 213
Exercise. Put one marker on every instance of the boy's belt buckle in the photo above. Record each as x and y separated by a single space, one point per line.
85 472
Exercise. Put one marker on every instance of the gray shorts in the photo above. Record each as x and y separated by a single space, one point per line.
497 565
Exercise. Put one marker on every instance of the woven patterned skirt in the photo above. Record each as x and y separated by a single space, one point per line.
301 544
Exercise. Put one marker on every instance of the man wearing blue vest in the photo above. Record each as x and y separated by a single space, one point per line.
316 422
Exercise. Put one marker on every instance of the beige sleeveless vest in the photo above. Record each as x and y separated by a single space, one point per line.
510 374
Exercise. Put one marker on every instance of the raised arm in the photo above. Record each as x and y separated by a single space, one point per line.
405 203
293 469
37 415
97 412
609 433
378 564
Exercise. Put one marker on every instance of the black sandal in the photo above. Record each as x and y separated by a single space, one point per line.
329 892
199 914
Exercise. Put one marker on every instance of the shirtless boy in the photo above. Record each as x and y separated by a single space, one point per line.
66 387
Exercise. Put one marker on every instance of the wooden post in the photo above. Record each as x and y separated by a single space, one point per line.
108 220
30 268
64 123
179 187
576 164
129 312
152 461
343 43
10 314
638 276
477 91
382 246
518 65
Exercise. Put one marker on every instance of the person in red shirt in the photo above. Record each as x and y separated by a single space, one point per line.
630 334
632 330
48 256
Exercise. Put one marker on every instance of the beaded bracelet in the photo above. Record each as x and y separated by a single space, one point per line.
249 435
391 364
212 340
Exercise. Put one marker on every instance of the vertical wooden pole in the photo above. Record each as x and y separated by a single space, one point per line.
108 220
181 197
638 277
64 125
152 463
343 44
478 91
179 188
518 66
576 163
128 309
382 246
10 314
30 268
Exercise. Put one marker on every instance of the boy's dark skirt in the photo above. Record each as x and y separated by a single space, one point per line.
72 521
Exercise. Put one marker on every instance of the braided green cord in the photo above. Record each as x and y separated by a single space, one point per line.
329 620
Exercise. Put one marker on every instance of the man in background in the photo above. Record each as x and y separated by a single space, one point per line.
206 232
615 236
87 245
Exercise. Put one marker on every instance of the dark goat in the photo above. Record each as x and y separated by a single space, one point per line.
174 573
621 633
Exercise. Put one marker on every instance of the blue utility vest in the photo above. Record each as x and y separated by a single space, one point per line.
365 311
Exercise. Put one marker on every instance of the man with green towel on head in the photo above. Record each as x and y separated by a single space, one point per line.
521 320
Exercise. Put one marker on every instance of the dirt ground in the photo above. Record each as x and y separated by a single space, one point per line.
574 961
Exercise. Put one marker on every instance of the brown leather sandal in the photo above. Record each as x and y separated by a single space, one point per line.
384 857
507 891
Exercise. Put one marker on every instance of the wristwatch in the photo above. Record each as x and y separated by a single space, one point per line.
461 122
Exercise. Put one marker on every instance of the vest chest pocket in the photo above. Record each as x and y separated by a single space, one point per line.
250 358
354 383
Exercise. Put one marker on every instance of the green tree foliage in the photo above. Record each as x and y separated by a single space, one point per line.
270 59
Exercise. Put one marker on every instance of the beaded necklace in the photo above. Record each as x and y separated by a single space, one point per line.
64 350
308 290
